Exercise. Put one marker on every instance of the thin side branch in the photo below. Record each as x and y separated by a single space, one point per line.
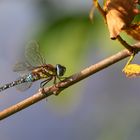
56 89
100 9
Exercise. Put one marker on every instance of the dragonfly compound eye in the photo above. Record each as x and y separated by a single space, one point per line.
60 70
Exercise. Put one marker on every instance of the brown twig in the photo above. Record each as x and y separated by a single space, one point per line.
56 89
100 9
125 44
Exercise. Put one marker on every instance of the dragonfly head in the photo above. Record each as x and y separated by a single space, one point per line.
60 70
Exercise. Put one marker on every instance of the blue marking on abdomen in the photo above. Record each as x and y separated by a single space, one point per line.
30 78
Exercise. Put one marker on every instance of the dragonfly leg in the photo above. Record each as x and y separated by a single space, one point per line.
43 83
61 78
54 82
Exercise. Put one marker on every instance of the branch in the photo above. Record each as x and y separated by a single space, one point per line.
56 89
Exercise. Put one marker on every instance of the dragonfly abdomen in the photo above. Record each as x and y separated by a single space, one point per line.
29 78
32 77
26 79
14 83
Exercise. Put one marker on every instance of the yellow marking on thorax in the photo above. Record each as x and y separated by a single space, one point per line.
43 73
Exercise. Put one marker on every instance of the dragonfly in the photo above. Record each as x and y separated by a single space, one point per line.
34 68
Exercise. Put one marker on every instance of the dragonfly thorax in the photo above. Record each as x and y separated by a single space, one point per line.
44 71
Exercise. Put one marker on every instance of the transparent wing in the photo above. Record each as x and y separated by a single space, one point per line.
22 66
24 86
32 54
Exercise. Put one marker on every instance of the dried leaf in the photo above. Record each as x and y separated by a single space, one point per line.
132 70
120 14
134 31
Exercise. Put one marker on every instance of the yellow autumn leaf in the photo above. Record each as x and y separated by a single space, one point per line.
132 70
